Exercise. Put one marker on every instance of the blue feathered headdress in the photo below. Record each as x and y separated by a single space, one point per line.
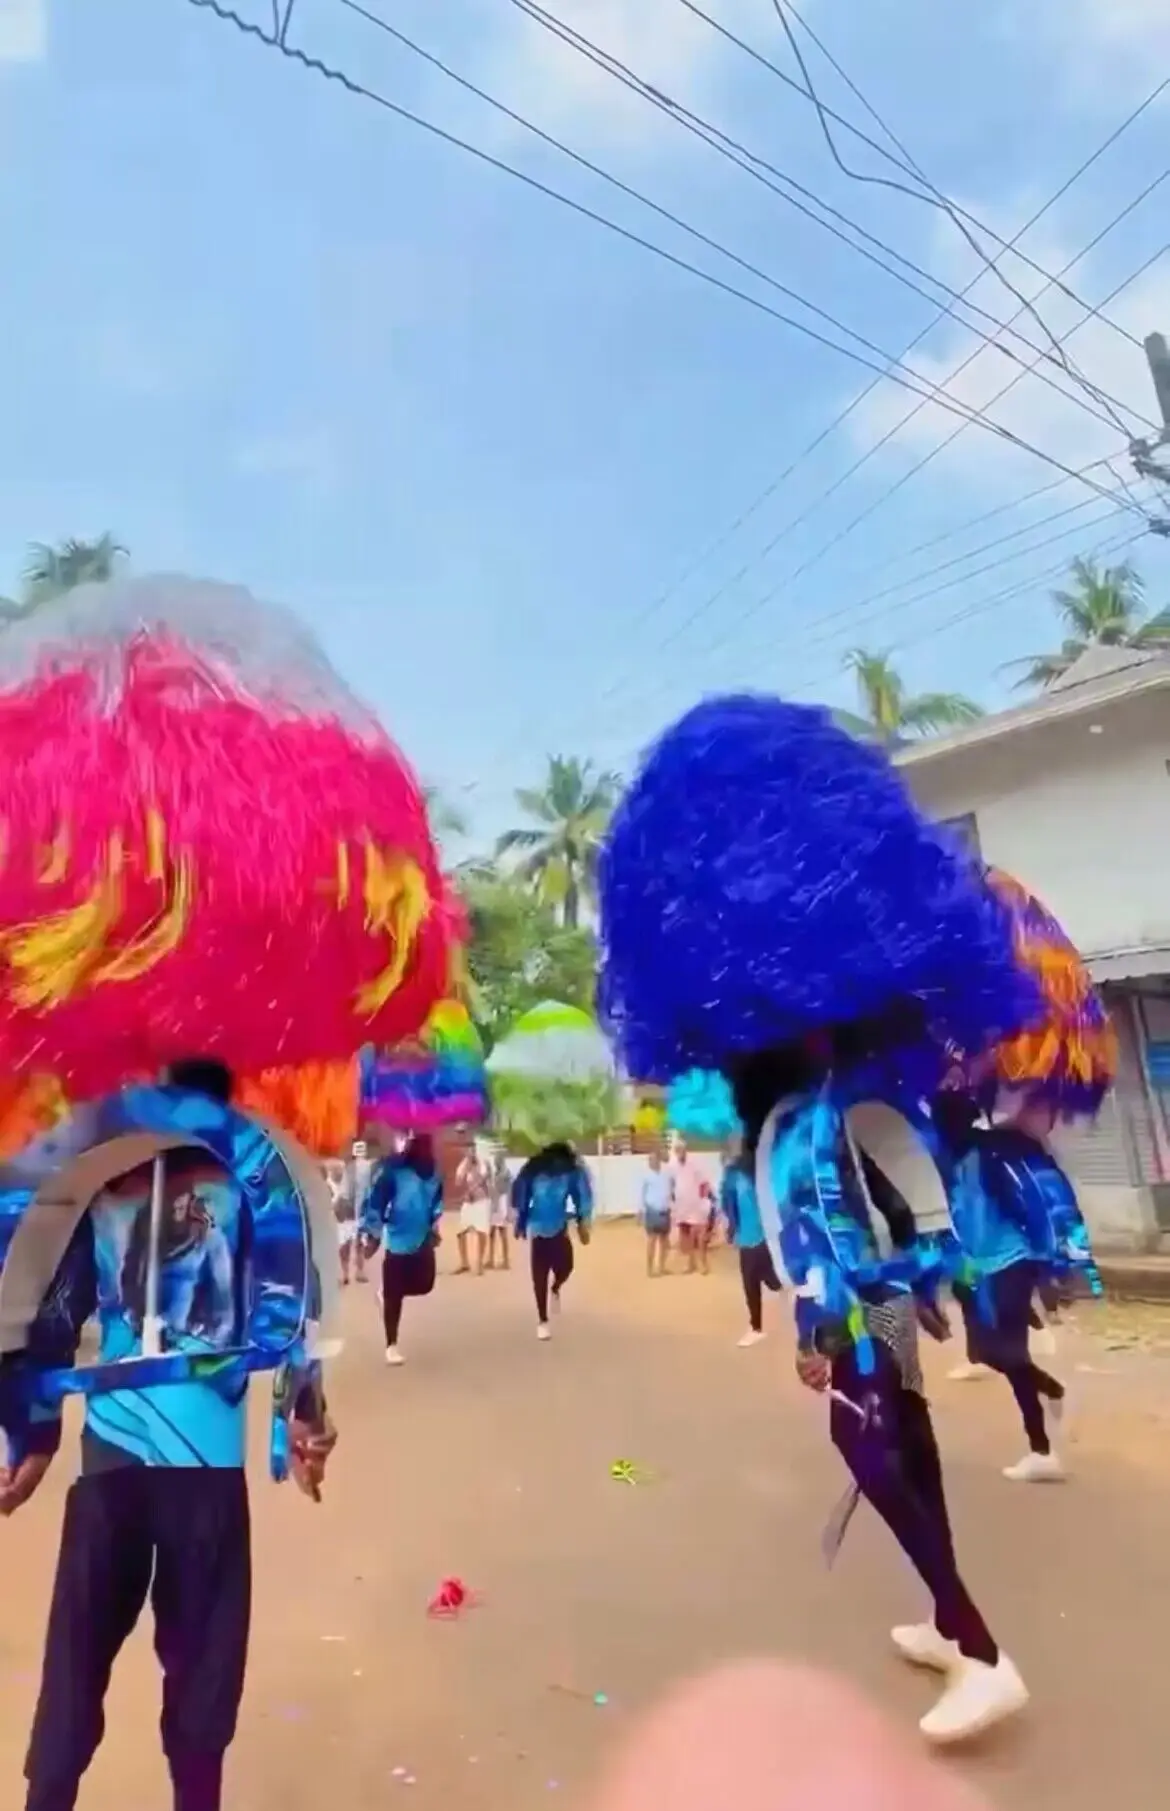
766 876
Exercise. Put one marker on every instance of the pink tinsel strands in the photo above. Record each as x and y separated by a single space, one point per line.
208 845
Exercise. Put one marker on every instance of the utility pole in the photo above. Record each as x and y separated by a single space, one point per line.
1145 453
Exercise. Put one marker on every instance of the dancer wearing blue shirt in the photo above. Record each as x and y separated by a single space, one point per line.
161 1507
998 1315
402 1213
741 1210
552 1188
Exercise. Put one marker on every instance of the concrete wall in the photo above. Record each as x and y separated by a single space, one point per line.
1082 819
617 1181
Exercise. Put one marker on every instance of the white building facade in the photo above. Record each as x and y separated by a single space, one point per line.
1071 795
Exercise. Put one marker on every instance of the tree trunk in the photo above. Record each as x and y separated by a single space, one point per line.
572 907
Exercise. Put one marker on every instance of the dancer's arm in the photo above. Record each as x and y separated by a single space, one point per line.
522 1199
581 1194
33 1430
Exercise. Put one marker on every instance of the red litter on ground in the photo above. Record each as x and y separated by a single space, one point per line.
452 1598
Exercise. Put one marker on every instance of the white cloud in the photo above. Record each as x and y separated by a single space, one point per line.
1102 43
556 86
973 374
24 30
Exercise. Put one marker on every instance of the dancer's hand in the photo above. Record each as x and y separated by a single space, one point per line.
310 1444
19 1482
766 1736
583 1233
813 1370
933 1320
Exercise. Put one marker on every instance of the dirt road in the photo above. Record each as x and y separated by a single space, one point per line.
488 1456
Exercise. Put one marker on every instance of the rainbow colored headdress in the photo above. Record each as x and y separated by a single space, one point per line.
437 1079
1068 1055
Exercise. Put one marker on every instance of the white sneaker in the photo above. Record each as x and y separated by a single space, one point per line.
544 1331
921 1644
751 1338
969 1373
978 1697
1036 1468
394 1356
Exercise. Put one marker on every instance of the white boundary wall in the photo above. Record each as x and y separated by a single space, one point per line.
617 1181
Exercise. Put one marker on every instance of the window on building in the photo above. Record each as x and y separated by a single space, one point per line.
966 829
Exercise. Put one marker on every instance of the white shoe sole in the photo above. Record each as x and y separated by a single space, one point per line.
1008 1706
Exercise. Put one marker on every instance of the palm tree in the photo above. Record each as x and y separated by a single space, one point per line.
1101 607
559 851
891 717
445 818
51 571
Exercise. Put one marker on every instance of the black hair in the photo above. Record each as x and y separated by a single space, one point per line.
557 1159
761 1078
419 1154
202 1075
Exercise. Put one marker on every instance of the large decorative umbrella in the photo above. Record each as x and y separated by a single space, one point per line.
212 848
553 1077
1068 1056
437 1079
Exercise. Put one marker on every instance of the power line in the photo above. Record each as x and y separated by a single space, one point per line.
782 10
780 183
894 369
707 603
329 73
985 606
676 220
758 56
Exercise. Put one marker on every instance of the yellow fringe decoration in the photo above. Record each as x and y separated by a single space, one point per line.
343 876
53 959
397 904
161 938
56 859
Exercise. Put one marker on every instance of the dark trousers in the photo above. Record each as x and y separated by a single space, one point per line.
403 1274
894 1459
552 1262
756 1273
181 1538
997 1336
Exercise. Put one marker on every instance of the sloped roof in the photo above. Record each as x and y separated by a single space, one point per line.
1096 662
1099 678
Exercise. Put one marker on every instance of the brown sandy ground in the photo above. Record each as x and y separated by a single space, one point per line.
489 1456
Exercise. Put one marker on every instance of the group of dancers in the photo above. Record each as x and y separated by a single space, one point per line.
774 909
402 1211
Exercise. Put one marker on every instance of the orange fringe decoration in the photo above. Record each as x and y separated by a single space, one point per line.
1074 1049
317 1103
28 1109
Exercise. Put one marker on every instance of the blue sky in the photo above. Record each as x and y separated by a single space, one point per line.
267 332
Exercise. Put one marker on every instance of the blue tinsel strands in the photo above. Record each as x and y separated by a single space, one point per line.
766 875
